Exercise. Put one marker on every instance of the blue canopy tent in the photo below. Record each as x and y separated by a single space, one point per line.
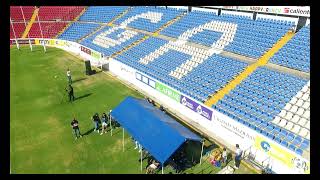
157 132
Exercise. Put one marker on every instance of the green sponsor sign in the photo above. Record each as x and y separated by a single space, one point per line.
168 91
95 54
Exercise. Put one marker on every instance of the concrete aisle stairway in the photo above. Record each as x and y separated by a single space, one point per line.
33 18
249 69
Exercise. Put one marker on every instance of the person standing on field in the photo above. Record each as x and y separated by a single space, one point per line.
224 155
69 76
104 123
238 156
96 121
70 93
75 128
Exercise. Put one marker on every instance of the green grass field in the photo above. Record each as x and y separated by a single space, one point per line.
41 139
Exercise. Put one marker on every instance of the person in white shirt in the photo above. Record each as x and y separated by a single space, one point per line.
69 76
224 156
237 158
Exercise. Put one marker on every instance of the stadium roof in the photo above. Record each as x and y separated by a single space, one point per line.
157 132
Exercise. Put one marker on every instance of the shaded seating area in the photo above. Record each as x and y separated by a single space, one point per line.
159 134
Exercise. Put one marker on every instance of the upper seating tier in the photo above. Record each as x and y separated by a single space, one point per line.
102 14
296 53
65 13
16 13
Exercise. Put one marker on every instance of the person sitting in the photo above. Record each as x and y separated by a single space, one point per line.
152 167
216 159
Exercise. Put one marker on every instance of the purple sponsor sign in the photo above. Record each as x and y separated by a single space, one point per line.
203 111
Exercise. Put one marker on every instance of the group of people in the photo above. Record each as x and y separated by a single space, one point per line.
220 158
96 121
103 121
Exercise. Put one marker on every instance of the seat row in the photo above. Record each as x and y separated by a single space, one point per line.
296 53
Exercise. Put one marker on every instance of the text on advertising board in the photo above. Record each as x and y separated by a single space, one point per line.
86 50
283 155
168 91
196 107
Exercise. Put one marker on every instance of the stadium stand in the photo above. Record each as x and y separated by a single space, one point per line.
209 76
16 14
18 28
77 30
110 40
252 37
102 14
49 29
65 13
296 53
295 116
157 16
191 20
259 99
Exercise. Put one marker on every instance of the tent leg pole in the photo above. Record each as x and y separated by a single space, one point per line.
201 151
141 160
111 126
122 139
162 169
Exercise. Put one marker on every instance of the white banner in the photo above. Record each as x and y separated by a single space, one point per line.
285 10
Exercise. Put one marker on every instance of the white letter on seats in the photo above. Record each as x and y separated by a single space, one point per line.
106 42
198 55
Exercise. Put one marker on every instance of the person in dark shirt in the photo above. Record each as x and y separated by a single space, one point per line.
96 121
75 128
70 93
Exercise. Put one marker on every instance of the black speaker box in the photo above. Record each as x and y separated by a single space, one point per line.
88 67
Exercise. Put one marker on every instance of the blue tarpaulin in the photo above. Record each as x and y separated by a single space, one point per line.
157 132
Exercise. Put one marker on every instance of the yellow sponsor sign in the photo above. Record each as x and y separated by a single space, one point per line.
36 42
52 42
60 43
286 157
